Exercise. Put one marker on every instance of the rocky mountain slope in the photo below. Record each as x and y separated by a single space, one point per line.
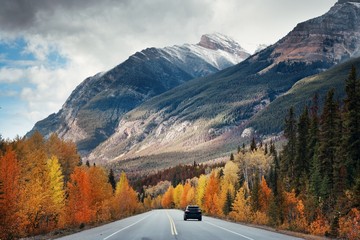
204 118
92 112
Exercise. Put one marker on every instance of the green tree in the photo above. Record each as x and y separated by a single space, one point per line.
112 180
289 151
228 203
301 166
329 142
253 145
352 125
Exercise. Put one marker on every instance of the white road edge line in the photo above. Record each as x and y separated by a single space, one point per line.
127 227
172 224
229 231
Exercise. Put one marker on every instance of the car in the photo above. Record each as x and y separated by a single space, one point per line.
192 212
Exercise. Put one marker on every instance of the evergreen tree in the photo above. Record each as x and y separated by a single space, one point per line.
315 177
313 128
228 203
301 166
112 180
253 145
289 152
329 142
352 125
231 157
266 151
255 201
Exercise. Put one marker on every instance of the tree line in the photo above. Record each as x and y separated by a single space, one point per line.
44 187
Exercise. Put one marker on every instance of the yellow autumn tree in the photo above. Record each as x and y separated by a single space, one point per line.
126 199
56 190
35 196
178 190
241 208
200 191
231 173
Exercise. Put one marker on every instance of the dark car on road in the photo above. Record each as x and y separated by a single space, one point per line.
192 212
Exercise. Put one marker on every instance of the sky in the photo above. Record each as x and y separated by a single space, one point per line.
48 47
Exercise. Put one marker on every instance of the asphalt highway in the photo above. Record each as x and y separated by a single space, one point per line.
169 224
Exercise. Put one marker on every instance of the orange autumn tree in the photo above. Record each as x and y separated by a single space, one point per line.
100 194
10 223
167 200
78 205
126 199
186 199
265 196
211 197
294 212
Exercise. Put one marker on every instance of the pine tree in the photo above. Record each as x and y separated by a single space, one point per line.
302 165
313 129
289 152
111 180
228 203
329 142
253 145
352 125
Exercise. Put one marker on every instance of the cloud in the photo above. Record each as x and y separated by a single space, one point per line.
89 36
11 75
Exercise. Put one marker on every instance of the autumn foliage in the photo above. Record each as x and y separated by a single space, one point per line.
44 187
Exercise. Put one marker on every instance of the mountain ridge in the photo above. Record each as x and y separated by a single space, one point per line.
92 111
210 113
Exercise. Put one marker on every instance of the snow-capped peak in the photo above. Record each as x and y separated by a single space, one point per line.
217 50
218 41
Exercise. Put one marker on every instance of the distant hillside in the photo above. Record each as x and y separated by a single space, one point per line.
271 119
208 115
93 111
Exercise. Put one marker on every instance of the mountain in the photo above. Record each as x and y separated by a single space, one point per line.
204 118
301 94
92 112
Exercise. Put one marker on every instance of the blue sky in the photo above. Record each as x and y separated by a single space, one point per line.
48 47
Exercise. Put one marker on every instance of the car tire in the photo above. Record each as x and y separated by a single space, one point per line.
199 219
185 219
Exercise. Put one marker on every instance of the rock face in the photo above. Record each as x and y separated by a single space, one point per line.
204 118
345 1
332 38
93 111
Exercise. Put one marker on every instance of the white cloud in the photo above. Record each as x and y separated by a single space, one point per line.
95 36
11 75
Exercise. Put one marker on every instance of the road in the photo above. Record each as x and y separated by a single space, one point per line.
169 224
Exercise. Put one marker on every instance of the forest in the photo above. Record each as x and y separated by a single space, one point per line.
310 185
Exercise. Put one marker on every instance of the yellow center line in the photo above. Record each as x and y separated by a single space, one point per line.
172 224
